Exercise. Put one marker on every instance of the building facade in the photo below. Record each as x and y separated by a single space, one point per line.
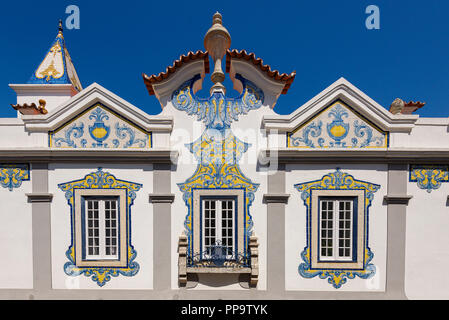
218 197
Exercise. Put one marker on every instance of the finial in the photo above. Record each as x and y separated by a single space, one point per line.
217 18
60 26
216 41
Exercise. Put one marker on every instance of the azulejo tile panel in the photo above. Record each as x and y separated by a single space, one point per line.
12 175
218 150
217 111
99 127
429 177
101 180
338 126
337 180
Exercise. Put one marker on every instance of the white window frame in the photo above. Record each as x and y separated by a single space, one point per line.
79 233
102 255
336 228
359 247
218 223
239 223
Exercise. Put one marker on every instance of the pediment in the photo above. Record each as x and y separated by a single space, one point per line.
357 104
79 108
338 126
99 127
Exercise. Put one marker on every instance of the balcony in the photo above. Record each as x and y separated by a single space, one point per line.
218 259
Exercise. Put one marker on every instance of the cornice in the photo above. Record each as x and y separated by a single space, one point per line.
89 155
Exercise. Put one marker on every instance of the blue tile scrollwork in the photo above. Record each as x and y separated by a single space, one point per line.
105 129
429 177
12 175
75 131
344 129
101 180
218 150
337 180
217 111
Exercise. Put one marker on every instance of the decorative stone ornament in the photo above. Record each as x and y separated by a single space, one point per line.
216 41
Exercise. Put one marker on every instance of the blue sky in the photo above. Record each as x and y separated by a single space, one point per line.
322 40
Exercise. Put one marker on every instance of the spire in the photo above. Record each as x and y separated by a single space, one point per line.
216 41
57 66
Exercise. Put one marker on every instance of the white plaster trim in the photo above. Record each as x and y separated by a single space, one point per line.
11 122
164 89
87 98
348 93
254 74
32 89
433 122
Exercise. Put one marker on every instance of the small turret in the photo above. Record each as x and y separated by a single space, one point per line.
55 80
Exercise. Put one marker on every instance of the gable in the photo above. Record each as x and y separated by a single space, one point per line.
337 126
99 127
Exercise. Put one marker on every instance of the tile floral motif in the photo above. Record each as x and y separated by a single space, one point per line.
338 126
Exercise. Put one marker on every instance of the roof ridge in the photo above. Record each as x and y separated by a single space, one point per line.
178 63
251 57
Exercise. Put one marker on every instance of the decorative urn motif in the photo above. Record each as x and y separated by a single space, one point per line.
99 131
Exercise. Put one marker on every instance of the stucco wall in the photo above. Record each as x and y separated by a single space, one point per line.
427 252
16 247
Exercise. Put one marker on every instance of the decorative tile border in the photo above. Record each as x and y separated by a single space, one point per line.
12 175
337 180
429 177
101 180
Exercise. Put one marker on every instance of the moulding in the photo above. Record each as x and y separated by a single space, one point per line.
161 197
275 198
355 98
390 155
397 199
85 99
85 155
39 197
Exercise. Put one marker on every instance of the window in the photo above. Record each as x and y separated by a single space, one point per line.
101 232
337 228
336 217
218 226
101 228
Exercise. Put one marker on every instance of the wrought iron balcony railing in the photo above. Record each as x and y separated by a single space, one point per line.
219 256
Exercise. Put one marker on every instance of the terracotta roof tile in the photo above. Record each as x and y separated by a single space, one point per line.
412 106
251 57
31 109
183 59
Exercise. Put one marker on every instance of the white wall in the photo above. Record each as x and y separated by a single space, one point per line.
295 227
427 250
141 225
16 244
